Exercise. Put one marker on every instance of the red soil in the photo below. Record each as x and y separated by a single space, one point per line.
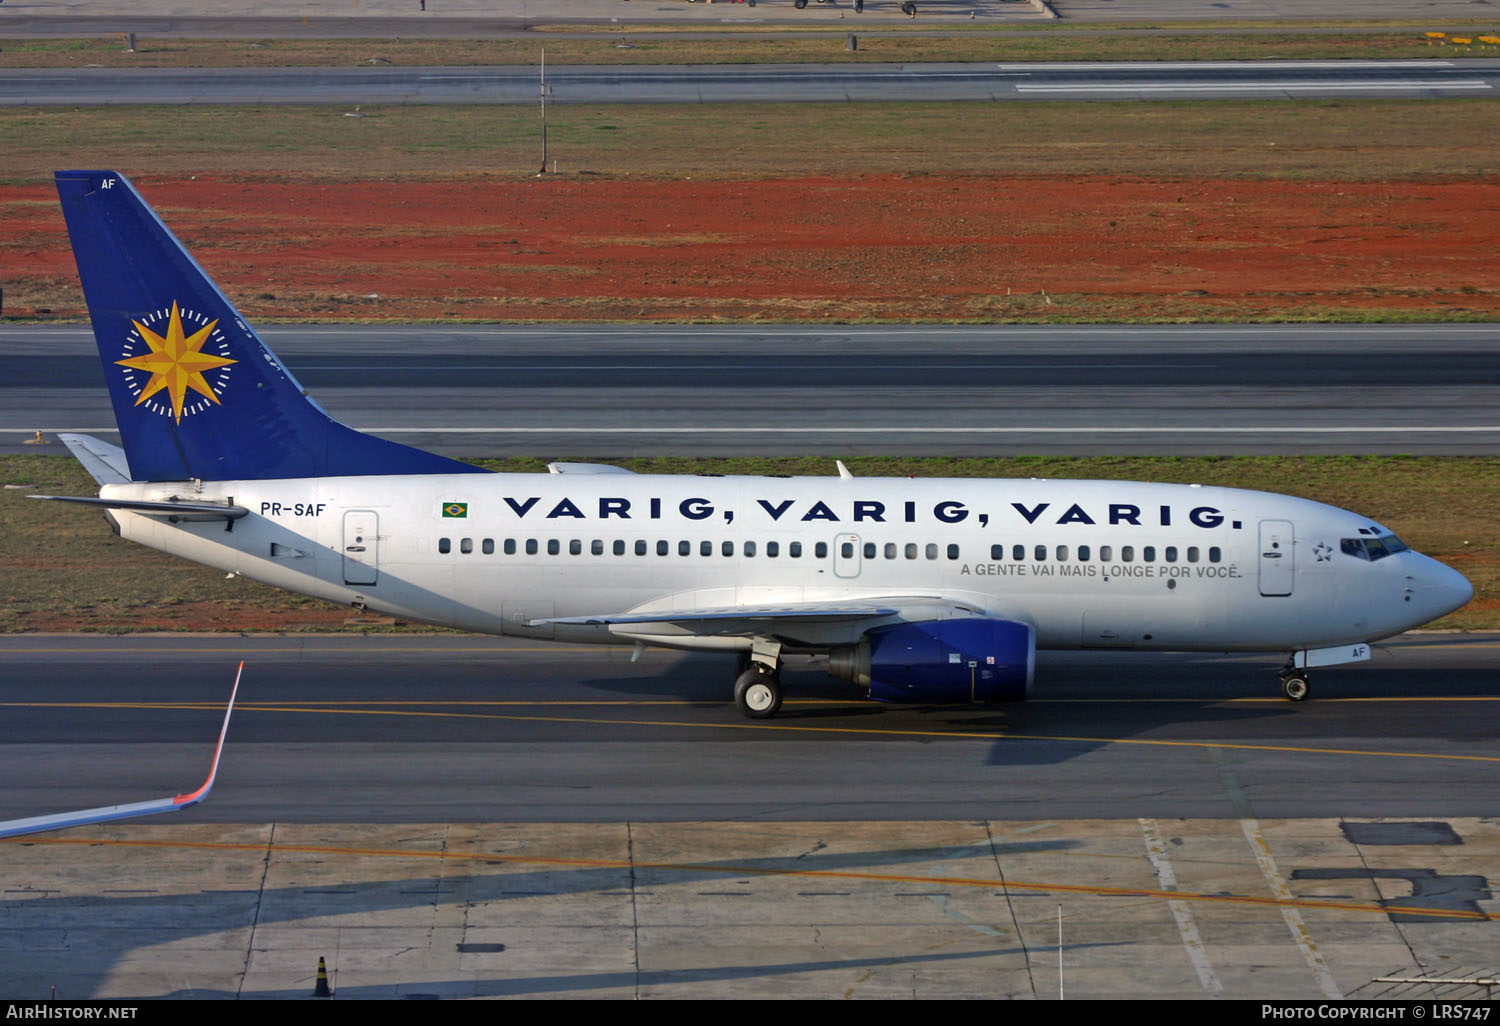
885 246
190 616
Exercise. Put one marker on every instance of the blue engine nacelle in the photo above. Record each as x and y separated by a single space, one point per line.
942 661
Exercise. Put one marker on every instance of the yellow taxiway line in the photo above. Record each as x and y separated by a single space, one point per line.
323 708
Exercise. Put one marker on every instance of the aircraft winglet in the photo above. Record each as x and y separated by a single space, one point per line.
105 813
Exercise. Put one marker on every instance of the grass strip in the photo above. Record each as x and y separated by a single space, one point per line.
1336 140
824 44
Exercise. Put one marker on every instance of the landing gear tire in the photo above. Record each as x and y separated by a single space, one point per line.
1295 687
757 693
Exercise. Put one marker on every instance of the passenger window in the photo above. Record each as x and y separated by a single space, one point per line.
640 546
1106 553
684 548
662 547
575 547
794 550
554 546
597 546
997 552
1171 554
530 546
1127 553
931 550
619 546
1018 552
773 549
706 548
1040 552
869 550
846 550
510 546
749 548
466 545
890 550
1192 553
727 548
820 550
445 545
1083 553
488 545
952 551
1214 555
1149 554
1062 553
911 550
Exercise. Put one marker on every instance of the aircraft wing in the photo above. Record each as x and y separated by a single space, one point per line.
105 813
841 611
790 619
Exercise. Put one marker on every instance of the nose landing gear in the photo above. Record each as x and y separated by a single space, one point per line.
1294 685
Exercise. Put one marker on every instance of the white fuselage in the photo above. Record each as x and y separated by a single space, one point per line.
1088 563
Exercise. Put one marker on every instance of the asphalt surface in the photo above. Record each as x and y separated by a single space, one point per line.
752 83
615 391
447 729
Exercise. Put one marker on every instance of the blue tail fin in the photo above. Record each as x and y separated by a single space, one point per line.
196 392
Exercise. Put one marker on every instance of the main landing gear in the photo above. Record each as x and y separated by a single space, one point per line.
757 692
757 689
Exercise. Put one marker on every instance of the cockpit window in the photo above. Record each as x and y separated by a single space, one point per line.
1372 549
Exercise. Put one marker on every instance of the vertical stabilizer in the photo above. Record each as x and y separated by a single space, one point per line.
196 393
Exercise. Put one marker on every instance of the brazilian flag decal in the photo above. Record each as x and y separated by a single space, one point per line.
455 509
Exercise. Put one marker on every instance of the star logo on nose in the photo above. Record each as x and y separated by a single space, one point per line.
1323 551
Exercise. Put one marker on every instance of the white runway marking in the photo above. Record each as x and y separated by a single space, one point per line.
1249 87
1191 941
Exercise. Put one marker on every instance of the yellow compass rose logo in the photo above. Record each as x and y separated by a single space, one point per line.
176 362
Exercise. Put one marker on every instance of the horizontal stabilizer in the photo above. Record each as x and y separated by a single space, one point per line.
106 813
105 463
179 510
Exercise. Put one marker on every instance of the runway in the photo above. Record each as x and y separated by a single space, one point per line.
754 83
680 390
386 729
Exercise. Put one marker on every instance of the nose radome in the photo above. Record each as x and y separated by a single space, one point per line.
1443 588
1456 588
